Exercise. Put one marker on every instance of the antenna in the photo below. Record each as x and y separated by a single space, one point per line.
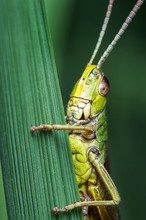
103 29
120 33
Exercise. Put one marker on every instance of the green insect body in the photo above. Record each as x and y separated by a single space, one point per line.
87 126
87 107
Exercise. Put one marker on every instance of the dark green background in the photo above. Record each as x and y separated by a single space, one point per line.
75 26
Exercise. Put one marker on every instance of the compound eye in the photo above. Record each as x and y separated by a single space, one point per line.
104 86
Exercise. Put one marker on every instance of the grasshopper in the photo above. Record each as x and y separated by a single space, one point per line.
87 126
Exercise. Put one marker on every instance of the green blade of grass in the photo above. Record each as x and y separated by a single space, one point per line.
37 169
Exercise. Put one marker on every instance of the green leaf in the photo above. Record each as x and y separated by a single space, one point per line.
37 169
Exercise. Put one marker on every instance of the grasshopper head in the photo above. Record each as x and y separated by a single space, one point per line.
92 86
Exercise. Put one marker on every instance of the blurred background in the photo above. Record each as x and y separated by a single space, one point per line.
75 26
